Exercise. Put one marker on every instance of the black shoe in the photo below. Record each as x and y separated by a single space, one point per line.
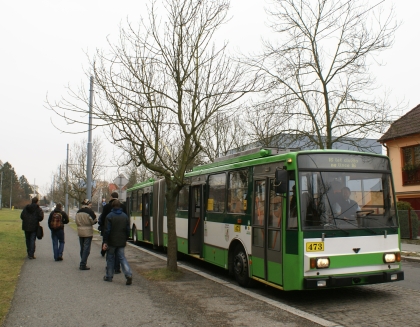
129 280
117 272
84 268
60 258
107 279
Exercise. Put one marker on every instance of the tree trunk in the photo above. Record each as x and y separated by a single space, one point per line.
171 263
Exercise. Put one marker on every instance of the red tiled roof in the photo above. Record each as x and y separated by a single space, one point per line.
408 124
112 187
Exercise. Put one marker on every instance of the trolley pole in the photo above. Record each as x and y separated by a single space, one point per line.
89 146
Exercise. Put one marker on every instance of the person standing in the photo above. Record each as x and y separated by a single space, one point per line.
85 219
102 226
31 215
115 239
56 222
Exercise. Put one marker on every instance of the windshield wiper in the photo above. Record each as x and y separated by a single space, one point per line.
349 221
336 227
392 227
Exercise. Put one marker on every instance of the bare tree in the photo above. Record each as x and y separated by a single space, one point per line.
159 87
78 169
136 174
224 132
265 126
318 71
77 177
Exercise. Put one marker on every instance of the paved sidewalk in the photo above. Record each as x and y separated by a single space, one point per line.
410 252
410 247
51 293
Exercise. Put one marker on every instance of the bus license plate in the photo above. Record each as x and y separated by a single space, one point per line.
314 246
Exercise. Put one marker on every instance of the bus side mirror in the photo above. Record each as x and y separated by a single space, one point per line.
280 182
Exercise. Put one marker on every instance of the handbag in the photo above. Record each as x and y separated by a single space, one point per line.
39 232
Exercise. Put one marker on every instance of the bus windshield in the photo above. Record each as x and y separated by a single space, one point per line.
346 200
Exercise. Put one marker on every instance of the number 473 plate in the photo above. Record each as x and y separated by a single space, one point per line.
314 246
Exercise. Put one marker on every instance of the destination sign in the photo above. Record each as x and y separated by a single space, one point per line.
342 161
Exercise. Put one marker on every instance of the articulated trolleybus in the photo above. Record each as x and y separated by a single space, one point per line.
294 220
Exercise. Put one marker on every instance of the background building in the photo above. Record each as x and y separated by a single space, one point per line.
402 141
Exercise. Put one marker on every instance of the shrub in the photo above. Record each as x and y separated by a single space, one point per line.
403 208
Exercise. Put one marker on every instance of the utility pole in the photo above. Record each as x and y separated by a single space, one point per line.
89 146
1 190
66 205
11 189
52 193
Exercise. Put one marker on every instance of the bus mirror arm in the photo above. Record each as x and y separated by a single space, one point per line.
281 181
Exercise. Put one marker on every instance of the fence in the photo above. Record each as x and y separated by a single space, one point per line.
409 223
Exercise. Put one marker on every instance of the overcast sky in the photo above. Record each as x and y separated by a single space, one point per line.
44 45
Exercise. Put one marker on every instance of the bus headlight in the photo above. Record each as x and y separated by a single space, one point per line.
319 263
389 257
392 257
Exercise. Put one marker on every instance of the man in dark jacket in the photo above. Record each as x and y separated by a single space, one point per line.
102 226
31 215
115 239
57 230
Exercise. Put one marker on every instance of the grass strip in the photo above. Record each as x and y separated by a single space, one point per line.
13 253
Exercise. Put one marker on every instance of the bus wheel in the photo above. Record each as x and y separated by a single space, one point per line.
241 267
134 233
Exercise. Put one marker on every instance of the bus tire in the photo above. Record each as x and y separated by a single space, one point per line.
241 267
134 233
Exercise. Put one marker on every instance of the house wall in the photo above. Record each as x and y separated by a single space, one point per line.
409 193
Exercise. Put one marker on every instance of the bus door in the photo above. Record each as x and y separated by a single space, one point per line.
196 220
146 216
267 231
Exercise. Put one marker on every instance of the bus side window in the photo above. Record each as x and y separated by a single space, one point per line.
306 212
183 197
217 193
293 209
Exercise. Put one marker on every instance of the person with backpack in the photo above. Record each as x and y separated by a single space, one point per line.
56 222
115 239
102 226
31 215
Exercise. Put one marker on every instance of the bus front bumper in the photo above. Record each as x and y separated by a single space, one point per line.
341 281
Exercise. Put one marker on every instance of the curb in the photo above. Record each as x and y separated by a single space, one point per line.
410 258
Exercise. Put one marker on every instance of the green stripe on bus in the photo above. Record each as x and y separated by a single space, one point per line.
356 260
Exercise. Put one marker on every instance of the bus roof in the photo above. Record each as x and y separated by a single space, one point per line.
252 157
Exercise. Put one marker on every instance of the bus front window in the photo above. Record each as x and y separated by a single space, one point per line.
346 200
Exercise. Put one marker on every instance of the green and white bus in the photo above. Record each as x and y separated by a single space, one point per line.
295 220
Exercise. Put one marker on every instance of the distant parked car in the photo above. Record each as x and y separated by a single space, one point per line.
45 209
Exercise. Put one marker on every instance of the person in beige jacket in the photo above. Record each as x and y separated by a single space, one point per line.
85 219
